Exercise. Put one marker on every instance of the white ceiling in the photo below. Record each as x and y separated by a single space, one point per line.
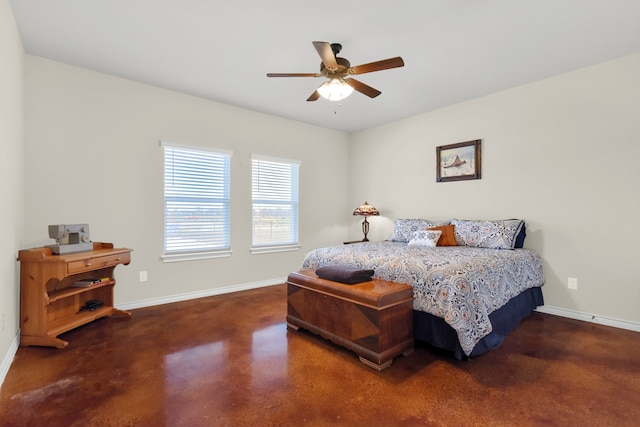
454 50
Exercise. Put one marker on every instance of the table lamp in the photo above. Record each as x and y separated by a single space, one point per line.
365 210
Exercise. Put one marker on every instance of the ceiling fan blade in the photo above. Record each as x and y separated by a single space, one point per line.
363 88
385 64
326 54
314 96
294 75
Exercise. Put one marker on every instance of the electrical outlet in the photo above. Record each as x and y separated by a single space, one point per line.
143 276
572 283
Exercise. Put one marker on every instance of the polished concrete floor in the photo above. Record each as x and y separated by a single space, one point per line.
229 360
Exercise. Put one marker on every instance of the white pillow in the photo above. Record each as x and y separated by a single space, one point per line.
428 238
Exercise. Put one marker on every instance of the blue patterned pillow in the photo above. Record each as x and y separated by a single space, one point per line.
403 229
500 234
428 238
521 236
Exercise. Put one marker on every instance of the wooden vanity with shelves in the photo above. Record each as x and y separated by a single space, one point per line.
50 301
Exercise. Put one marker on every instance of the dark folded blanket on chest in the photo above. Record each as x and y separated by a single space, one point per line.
344 274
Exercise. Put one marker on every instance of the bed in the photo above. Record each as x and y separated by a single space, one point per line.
473 281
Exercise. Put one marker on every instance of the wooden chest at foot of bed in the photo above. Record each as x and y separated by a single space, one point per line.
374 319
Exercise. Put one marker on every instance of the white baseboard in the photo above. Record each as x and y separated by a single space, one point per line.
199 294
557 311
548 309
8 358
593 318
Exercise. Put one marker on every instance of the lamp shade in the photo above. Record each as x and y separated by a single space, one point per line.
335 90
366 210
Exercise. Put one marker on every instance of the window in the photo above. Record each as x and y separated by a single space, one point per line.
275 204
196 203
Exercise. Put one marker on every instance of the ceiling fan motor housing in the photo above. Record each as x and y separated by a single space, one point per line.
342 70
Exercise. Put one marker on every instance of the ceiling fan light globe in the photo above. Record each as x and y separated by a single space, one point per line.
335 90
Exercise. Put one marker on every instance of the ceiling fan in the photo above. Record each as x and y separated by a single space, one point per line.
337 69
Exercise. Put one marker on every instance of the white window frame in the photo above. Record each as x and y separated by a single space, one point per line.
219 195
292 244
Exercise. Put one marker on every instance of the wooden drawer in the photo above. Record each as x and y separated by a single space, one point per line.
96 263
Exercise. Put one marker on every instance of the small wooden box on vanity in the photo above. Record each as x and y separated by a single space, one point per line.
49 303
374 319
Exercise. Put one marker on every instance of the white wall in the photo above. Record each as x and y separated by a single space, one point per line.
11 187
94 157
562 153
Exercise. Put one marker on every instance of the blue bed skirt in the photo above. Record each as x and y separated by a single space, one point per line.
436 332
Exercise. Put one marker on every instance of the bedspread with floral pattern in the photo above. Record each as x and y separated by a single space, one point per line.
461 284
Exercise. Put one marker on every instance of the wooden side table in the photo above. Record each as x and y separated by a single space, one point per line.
52 303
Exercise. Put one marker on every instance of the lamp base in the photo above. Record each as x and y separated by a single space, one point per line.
365 229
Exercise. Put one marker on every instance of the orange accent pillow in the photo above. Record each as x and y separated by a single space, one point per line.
448 237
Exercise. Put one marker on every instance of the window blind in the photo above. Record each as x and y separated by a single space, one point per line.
196 200
275 202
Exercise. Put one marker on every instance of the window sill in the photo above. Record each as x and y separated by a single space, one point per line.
195 256
271 249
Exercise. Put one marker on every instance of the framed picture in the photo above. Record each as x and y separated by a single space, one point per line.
457 162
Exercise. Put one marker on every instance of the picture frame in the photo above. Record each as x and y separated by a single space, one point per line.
458 162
